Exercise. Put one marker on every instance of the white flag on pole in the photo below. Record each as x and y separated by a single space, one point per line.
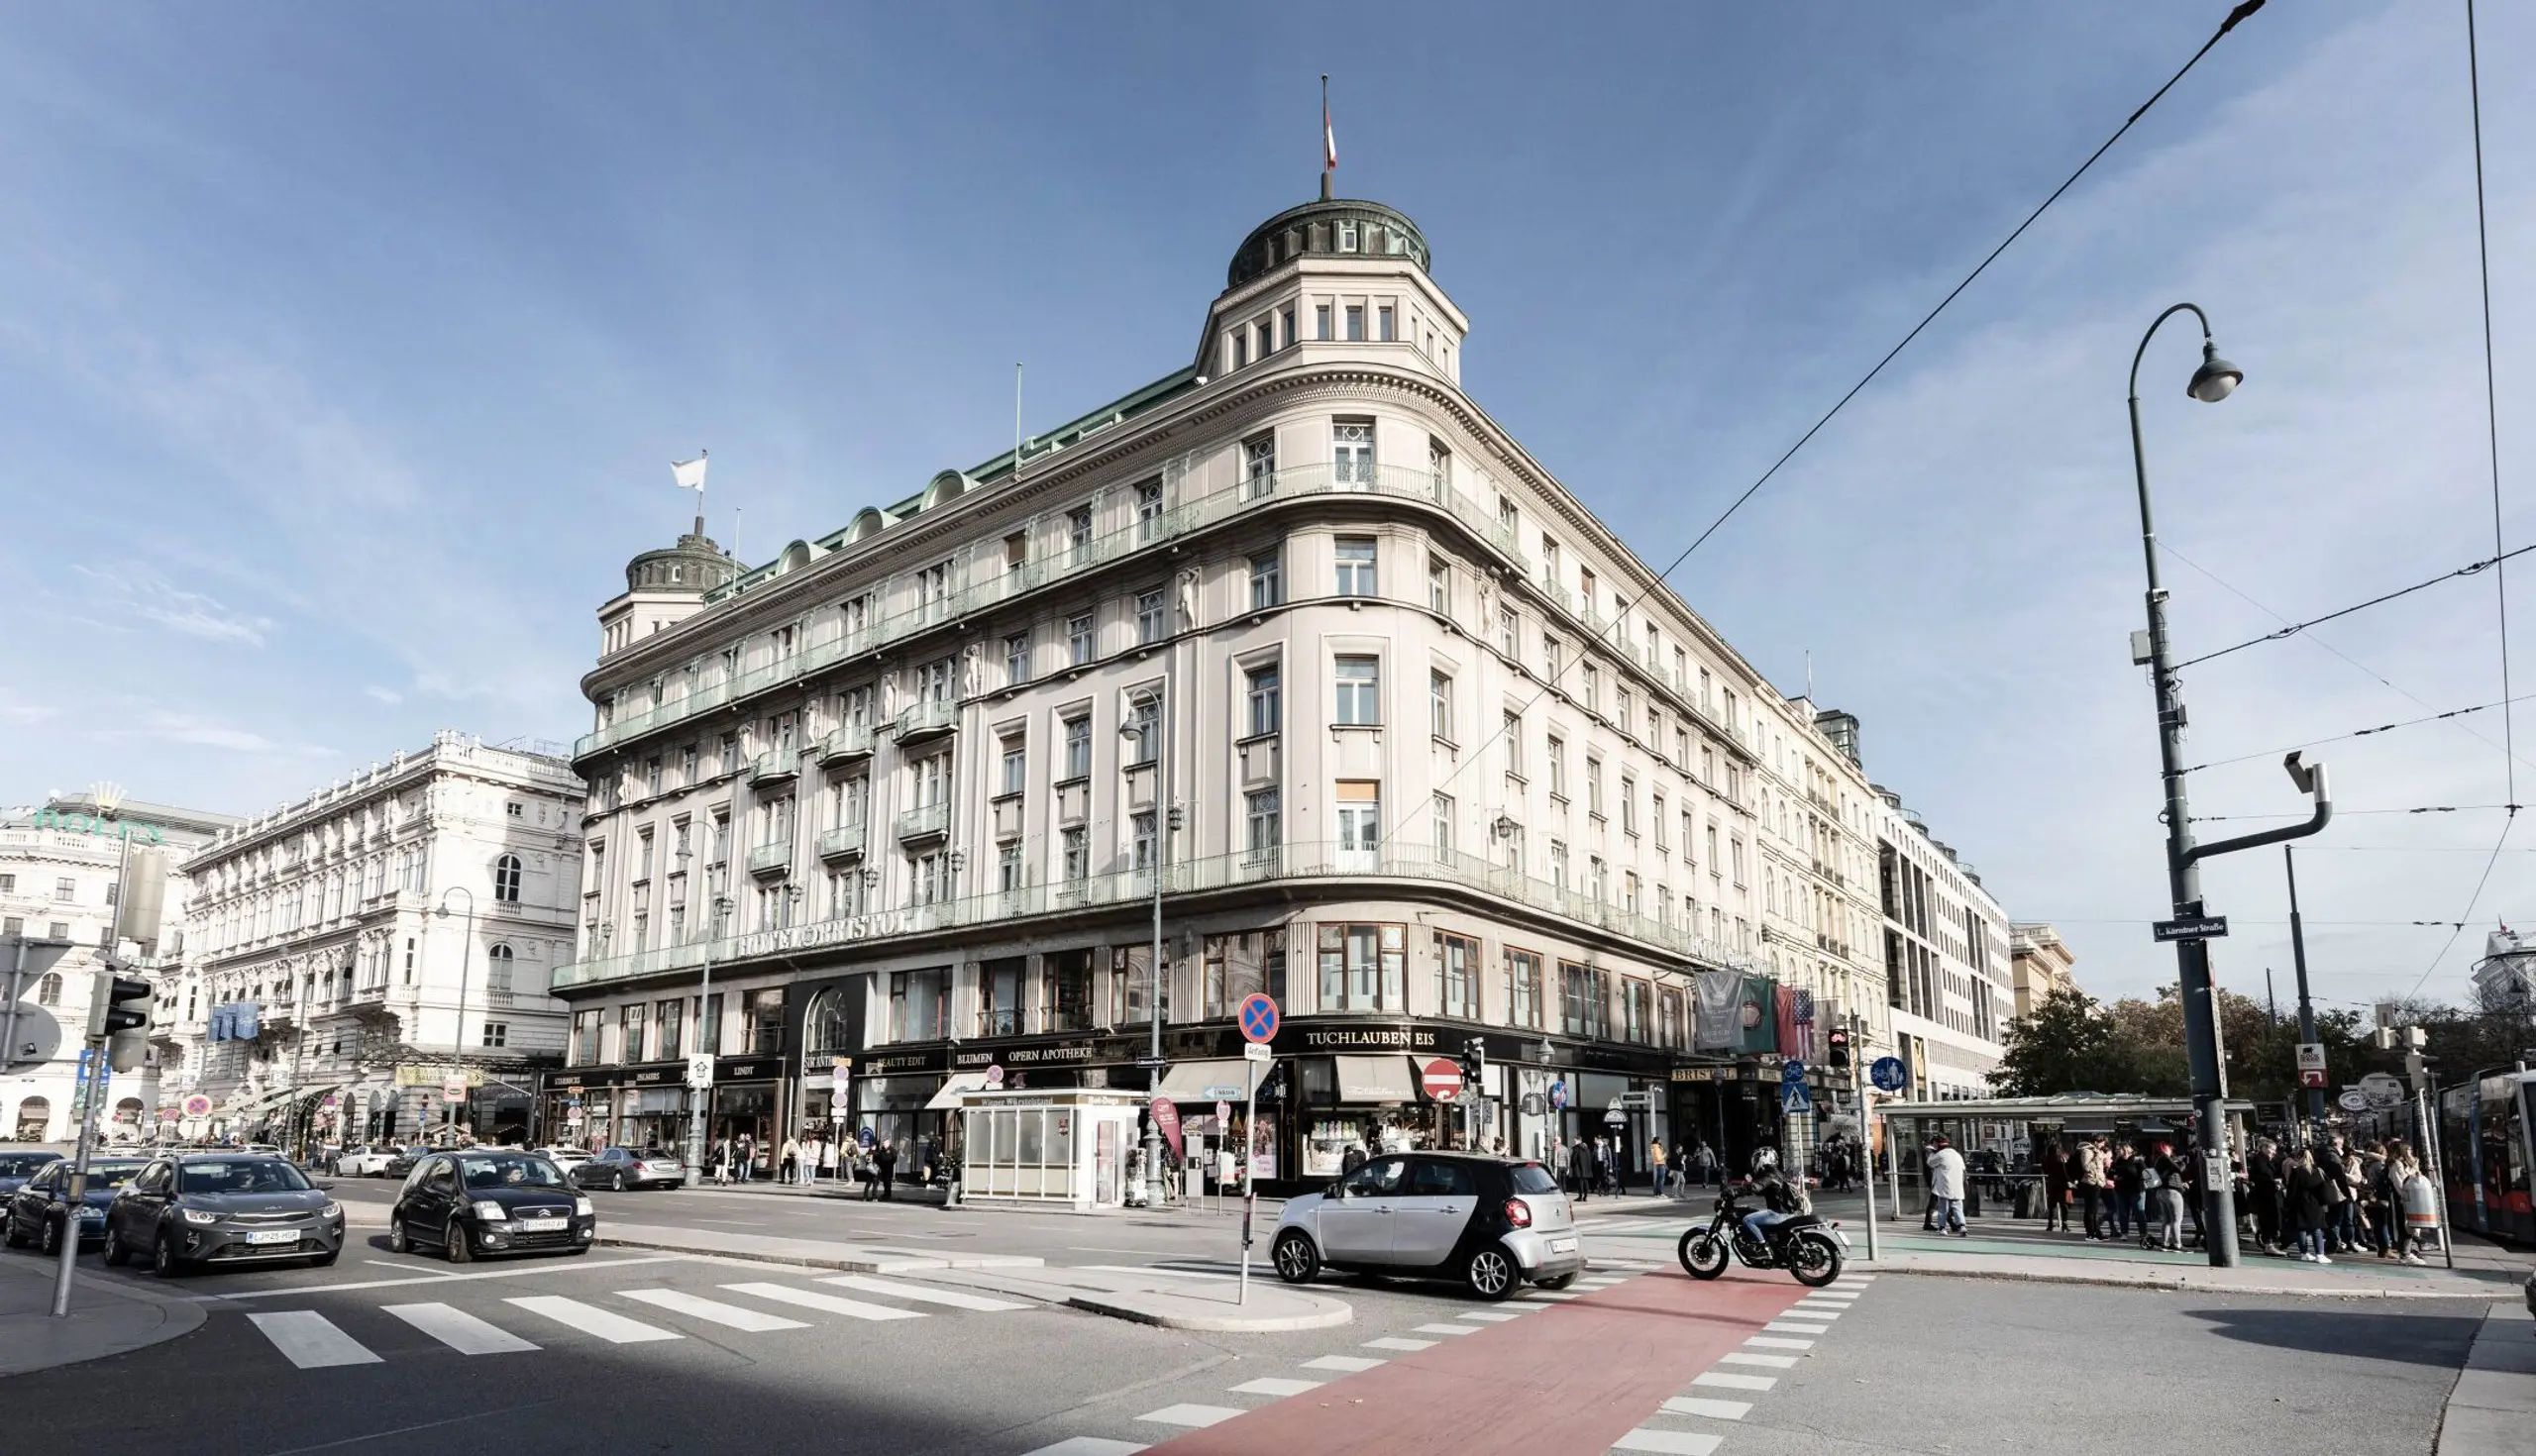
689 474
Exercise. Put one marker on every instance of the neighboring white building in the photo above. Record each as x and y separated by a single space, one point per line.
1950 974
333 959
60 867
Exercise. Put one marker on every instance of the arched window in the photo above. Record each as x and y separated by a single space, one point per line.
48 990
823 1026
506 878
498 976
32 1115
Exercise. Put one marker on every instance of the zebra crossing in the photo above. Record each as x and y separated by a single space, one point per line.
1698 1421
525 1324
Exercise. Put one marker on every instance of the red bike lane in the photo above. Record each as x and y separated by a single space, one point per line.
1574 1377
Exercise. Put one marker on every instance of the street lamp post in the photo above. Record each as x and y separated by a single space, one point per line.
2213 381
466 962
1156 726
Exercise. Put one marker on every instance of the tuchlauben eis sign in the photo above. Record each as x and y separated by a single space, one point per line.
49 817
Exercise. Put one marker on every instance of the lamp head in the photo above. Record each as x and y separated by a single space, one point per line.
2216 379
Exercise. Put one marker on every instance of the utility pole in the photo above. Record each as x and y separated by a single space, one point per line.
2307 1007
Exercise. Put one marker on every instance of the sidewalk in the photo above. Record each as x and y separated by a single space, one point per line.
1173 1298
2493 1409
104 1320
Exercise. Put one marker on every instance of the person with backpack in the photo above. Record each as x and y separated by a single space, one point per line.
2304 1199
2128 1173
1946 1188
2056 1188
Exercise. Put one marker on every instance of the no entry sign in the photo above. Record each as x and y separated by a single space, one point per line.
1440 1079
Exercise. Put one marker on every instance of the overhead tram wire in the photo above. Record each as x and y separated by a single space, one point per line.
2481 707
2339 811
2468 569
2244 9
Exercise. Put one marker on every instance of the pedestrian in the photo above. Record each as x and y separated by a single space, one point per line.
1580 1169
2262 1190
888 1160
1606 1166
722 1162
2168 1199
743 1156
2304 1203
2056 1188
2128 1172
2095 1181
1655 1166
1352 1159
787 1159
827 1157
1946 1188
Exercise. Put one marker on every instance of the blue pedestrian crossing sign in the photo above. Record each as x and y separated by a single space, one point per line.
1258 1017
1889 1075
1796 1097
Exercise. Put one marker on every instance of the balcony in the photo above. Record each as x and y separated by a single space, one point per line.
781 766
927 719
846 743
844 842
925 821
771 861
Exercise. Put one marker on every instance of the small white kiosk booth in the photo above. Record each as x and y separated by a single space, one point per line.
1065 1146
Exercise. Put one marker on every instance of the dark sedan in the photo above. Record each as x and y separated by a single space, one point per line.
403 1163
16 1166
624 1168
200 1208
490 1202
39 1213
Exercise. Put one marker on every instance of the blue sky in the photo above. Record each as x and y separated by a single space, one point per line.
342 351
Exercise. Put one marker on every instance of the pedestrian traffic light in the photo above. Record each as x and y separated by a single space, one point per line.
119 1012
1835 1046
1474 1060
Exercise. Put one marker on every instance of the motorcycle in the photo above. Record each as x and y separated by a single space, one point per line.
1804 1245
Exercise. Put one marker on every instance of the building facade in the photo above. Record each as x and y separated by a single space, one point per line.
358 950
61 870
2506 977
2040 963
1946 965
1410 741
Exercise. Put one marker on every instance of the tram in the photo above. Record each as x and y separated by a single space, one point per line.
2484 1139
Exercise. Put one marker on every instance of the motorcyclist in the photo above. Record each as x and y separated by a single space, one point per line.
1781 1200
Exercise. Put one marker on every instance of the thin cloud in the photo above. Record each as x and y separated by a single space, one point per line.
139 592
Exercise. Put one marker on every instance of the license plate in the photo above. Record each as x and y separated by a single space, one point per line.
1562 1246
274 1236
541 1225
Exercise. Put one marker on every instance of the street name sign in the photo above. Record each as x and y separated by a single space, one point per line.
2200 927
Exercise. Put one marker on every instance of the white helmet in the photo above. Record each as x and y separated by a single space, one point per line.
1764 1160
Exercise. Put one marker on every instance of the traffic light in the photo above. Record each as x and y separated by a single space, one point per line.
119 1011
1474 1060
1835 1047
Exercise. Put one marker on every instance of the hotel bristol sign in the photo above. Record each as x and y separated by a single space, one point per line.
792 938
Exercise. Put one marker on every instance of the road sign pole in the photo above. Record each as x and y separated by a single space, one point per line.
1867 1120
1250 1183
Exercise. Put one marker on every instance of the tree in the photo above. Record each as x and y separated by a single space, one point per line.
2059 1046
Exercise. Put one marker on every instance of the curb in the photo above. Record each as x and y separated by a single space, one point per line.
1338 1314
2177 1285
882 1264
36 1341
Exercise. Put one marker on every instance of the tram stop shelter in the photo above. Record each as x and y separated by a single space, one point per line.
1060 1147
2002 1138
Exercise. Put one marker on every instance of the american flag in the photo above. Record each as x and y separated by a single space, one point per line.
1804 1008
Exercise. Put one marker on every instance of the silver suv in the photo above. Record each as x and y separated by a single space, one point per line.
1492 1223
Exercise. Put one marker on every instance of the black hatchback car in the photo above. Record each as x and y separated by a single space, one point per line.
40 1212
490 1201
196 1209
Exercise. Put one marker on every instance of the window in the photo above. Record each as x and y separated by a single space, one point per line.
1440 706
1352 449
1524 989
1016 767
928 879
1558 866
1016 547
1079 637
1150 616
8 884
1552 653
1457 977
1594 786
1074 860
1348 239
1355 557
1442 814
1266 334
1140 842
65 891
1148 510
1320 321
1510 633
1008 869
1267 579
1583 1003
1628 891
1511 732
1259 466
1383 327
1079 534
497 1033
498 961
1360 818
1144 717
1355 323
1362 967
506 880
1590 688
916 1004
1017 657
1629 804
1287 320
1359 692
1440 585
1638 1012
48 990
1240 344
1078 734
1262 695
1263 821
1240 964
1558 767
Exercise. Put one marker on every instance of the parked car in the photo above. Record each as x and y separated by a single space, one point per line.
366 1161
40 1212
402 1161
16 1165
491 1200
197 1208
566 1159
1492 1223
624 1167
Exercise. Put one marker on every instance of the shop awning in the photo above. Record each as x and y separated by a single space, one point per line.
1208 1082
952 1085
1375 1081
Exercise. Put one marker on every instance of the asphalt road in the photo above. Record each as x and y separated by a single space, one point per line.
623 1352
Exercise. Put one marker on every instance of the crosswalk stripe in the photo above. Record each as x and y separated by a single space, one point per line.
1346 1364
458 1330
1765 1342
1087 1446
1702 1406
1666 1442
1792 1326
1447 1329
1188 1414
1395 1342
826 1303
1278 1386
1494 1317
735 1317
310 1340
1767 1362
590 1320
922 1294
1725 1382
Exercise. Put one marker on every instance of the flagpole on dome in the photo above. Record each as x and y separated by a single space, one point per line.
689 475
1328 141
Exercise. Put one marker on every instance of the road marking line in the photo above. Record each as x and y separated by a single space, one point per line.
827 1304
1549 1294
1187 1414
956 1298
733 1316
1801 1312
1725 1382
310 1340
590 1320
1700 1406
1279 1386
1767 1362
1347 1364
1791 1327
1447 1329
458 1329
1666 1442
1087 1446
577 1266
1395 1342
1155 1269
1765 1342
1494 1317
